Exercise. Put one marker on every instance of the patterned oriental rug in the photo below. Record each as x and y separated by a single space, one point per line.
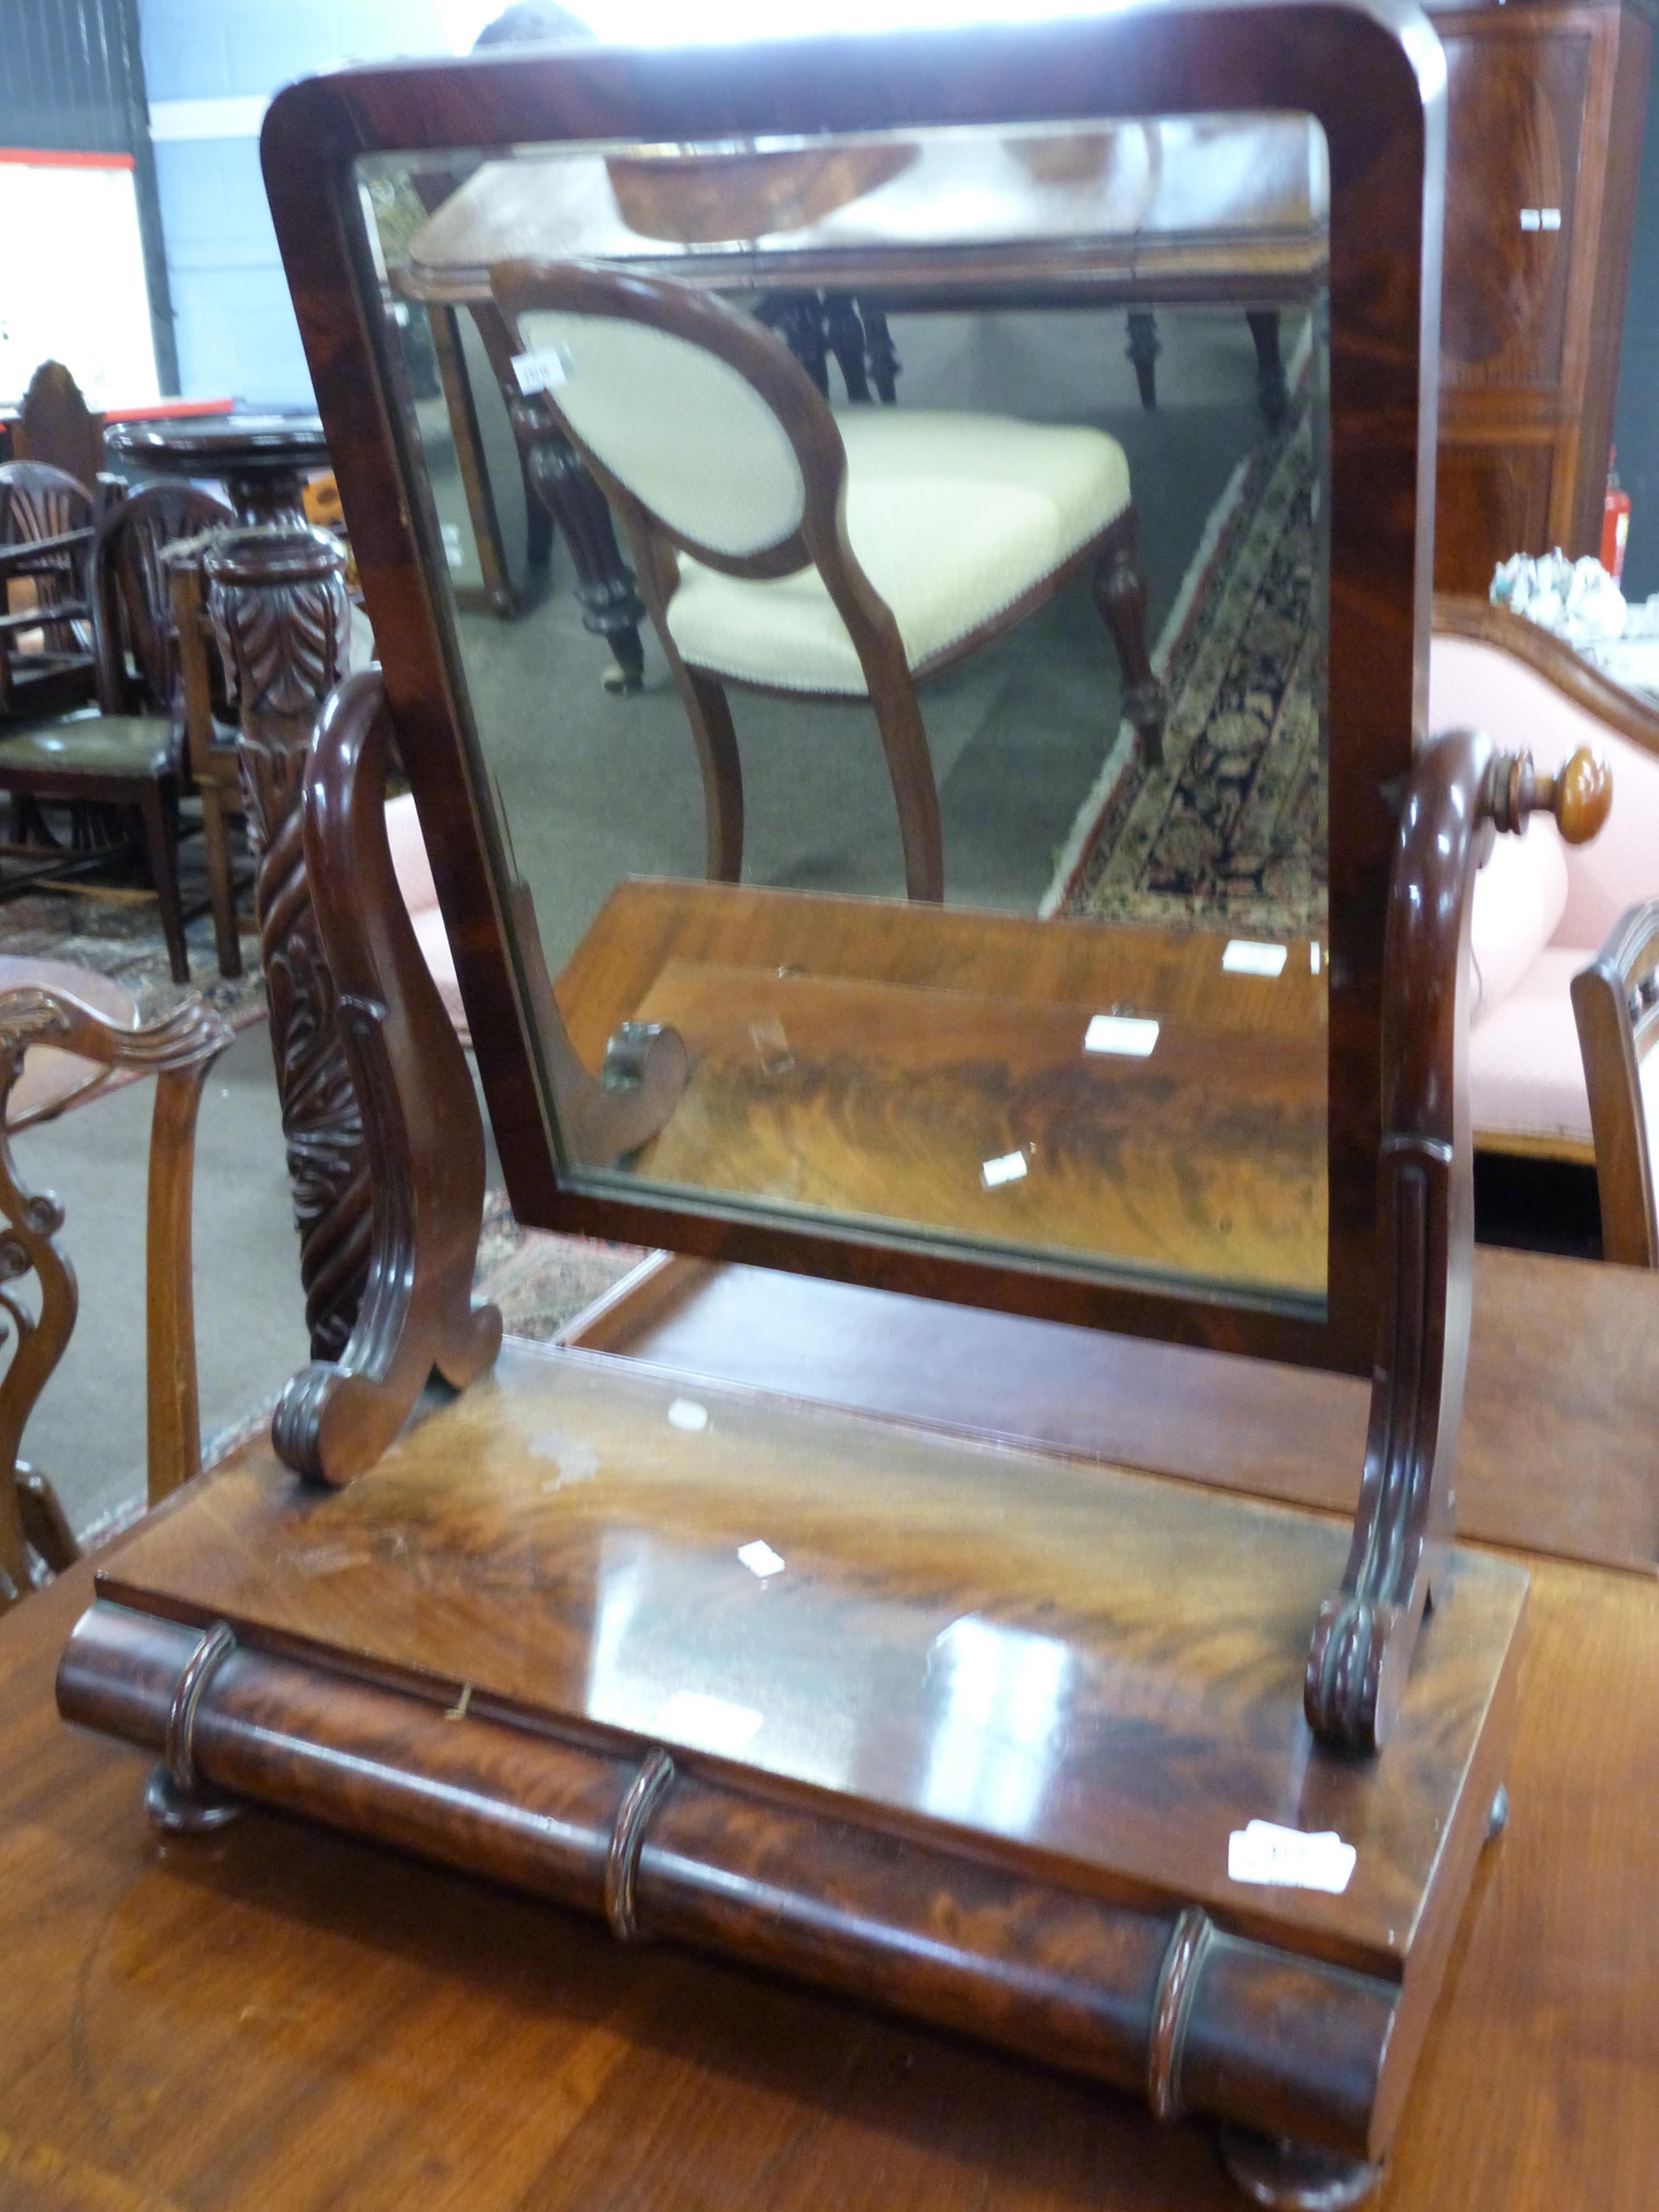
541 1280
116 931
1229 831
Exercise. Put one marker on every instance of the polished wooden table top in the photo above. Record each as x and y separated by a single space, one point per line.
867 1060
1130 209
282 2020
1556 1452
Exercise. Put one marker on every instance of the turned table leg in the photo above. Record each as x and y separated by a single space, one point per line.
611 608
1143 349
279 603
882 355
1272 391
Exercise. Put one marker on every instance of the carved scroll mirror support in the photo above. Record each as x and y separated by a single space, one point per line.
410 1080
415 1094
1461 792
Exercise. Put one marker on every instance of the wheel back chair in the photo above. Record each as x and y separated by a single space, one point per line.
128 750
45 610
1615 1003
53 1012
791 549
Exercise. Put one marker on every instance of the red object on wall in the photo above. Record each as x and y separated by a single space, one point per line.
1616 522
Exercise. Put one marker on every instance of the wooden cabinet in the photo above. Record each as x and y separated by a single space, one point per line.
1544 135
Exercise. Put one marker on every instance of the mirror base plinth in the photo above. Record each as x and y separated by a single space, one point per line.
778 1754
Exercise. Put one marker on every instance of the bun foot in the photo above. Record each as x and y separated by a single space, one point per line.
1293 2176
176 1812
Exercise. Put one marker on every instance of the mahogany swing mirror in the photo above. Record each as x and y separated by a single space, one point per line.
918 798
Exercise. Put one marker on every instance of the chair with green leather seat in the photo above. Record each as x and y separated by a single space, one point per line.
128 751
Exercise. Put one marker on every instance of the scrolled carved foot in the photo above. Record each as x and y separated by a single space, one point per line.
1292 2177
1356 1668
176 1812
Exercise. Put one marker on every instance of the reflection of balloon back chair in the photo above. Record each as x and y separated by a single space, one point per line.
1615 1002
839 556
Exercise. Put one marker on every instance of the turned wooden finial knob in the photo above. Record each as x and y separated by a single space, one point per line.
1579 796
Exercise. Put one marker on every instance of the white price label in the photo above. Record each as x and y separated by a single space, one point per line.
541 372
1132 1035
1285 1858
1244 956
1009 1168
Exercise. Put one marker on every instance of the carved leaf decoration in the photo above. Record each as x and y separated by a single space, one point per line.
285 642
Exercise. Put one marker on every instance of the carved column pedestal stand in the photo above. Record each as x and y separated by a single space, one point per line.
279 603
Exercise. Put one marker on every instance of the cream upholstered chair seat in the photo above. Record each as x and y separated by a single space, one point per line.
780 545
953 518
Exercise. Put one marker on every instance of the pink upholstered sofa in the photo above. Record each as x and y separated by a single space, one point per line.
1543 909
408 858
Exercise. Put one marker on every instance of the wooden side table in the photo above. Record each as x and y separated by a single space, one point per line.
262 460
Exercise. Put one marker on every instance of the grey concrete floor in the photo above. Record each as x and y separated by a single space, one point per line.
87 1429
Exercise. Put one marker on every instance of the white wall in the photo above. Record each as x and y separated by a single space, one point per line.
209 68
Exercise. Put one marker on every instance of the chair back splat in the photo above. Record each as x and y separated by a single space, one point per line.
1615 1003
138 645
45 538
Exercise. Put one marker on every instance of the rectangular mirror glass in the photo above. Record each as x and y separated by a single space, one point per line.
955 585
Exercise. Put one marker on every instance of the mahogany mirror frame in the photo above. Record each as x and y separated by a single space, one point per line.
1373 77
